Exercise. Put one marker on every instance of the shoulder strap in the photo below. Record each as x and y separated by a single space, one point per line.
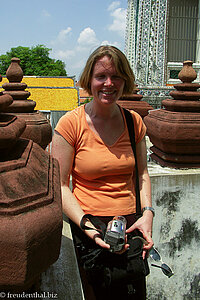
131 131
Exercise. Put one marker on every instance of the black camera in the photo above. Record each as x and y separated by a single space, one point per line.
115 233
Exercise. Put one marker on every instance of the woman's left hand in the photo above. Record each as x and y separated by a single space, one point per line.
144 225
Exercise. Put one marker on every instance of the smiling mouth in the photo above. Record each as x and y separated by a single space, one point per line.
108 93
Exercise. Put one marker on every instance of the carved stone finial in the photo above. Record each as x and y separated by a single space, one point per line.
14 72
187 73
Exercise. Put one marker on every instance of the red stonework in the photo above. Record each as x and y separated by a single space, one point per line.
133 102
38 127
30 206
175 130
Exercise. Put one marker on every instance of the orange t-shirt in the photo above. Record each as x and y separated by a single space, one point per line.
102 175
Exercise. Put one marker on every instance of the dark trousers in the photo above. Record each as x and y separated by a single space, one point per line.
92 289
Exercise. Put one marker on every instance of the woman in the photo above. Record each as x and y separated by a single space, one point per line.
92 144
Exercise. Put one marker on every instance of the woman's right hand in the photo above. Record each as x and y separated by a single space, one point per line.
98 240
95 236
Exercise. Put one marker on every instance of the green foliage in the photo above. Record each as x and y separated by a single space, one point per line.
87 100
35 61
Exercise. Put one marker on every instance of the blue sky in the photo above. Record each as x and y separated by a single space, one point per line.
71 28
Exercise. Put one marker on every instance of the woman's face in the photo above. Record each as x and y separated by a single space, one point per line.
106 85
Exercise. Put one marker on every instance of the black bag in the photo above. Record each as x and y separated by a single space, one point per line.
107 268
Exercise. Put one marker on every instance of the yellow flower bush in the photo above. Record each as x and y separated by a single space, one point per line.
32 81
54 99
51 93
48 81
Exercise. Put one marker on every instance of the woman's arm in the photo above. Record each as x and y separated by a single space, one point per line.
64 153
144 224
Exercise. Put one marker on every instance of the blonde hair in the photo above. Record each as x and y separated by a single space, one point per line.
121 63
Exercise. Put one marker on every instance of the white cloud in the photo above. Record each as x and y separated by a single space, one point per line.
64 54
87 37
113 5
63 34
105 43
116 44
119 21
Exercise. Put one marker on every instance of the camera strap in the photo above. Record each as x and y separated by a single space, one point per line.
131 131
99 225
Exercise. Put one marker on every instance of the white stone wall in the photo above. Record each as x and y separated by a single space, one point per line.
176 233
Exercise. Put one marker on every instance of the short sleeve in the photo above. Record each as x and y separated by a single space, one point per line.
140 128
66 126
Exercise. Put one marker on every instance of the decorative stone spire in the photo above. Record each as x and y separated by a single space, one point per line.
175 130
133 102
30 206
38 127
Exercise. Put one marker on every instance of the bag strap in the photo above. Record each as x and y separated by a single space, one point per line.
131 131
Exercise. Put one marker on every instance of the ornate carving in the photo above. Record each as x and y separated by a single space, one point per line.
145 44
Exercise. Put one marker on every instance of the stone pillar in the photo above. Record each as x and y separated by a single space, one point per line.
38 127
30 206
175 130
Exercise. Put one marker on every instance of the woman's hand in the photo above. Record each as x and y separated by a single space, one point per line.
96 236
98 240
144 225
101 243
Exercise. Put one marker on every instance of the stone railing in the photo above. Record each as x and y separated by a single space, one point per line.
155 95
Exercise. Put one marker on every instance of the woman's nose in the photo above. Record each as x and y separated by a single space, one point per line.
108 81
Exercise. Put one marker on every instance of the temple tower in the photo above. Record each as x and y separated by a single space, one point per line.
160 35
